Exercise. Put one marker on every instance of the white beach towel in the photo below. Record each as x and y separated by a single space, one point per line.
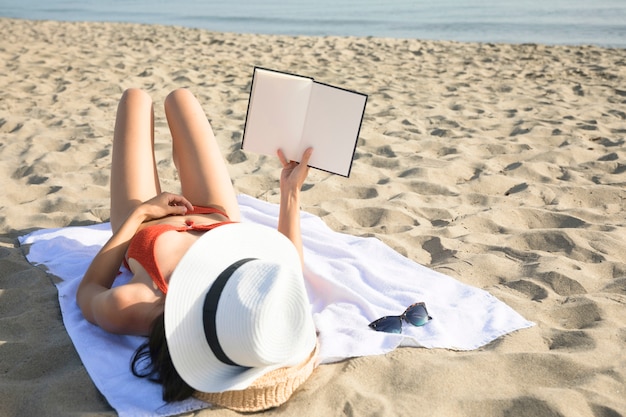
350 281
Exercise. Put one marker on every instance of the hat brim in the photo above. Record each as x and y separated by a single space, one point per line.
197 270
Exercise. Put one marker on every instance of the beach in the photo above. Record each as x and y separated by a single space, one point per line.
502 166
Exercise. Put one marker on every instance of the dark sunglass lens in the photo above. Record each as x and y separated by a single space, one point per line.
417 315
389 324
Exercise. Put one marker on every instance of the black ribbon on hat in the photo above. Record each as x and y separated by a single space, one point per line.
209 310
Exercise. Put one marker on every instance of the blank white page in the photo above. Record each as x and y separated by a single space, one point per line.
332 127
276 113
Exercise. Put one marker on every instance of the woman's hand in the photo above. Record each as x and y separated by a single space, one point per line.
165 204
294 174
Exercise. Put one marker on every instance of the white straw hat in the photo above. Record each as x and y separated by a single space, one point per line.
237 309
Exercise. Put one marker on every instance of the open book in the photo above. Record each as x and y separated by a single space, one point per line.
292 113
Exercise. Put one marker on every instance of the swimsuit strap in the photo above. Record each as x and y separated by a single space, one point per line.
207 210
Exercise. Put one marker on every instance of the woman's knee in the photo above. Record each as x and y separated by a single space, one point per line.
136 96
178 98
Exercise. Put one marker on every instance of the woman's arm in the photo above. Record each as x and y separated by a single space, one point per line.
292 177
91 295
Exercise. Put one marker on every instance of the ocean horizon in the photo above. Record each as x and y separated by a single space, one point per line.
551 22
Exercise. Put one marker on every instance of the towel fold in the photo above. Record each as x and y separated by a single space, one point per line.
351 281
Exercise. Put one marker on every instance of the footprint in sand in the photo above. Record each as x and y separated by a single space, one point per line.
531 290
575 313
572 340
562 285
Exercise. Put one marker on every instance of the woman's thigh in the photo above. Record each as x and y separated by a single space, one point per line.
204 177
134 177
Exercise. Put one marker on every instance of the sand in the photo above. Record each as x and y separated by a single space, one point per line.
503 166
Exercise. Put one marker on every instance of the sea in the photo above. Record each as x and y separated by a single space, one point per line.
551 22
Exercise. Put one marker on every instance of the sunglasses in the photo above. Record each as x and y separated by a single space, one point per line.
416 314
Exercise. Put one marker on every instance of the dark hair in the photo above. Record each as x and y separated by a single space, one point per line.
152 360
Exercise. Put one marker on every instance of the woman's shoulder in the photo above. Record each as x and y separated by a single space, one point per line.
128 309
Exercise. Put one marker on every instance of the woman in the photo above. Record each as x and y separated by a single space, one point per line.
153 230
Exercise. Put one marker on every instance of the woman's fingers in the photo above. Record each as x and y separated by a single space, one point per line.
305 157
282 158
166 204
178 200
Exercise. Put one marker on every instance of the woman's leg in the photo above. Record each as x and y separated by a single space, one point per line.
204 178
134 177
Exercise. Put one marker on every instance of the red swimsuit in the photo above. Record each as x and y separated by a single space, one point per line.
141 247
